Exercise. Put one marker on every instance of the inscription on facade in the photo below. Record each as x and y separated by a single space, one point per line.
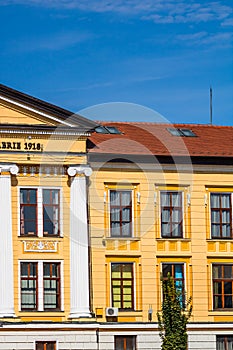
25 146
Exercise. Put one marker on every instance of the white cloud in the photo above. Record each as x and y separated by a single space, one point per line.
220 40
56 42
159 11
228 22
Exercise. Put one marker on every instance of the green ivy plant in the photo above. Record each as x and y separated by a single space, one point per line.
173 318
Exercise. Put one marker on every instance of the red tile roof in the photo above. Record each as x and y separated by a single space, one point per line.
155 139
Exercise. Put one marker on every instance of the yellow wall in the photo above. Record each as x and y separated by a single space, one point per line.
147 250
54 151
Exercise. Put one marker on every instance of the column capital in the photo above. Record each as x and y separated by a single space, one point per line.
12 168
79 169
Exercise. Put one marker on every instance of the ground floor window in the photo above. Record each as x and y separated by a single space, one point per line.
45 345
48 276
225 342
127 342
122 286
223 286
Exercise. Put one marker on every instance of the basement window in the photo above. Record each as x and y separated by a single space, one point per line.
181 132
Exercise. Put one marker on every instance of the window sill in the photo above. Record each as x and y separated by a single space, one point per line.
220 312
34 312
122 238
219 239
173 239
39 238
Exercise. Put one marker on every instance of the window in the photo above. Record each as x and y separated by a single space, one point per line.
40 299
221 215
181 132
122 286
39 212
51 286
29 286
125 342
107 130
225 342
171 214
45 345
28 212
223 286
176 271
121 213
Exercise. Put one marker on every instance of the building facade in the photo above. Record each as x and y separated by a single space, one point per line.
93 214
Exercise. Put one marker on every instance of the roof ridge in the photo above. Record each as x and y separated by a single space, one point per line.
158 123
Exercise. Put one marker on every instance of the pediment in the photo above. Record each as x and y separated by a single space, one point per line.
17 108
14 115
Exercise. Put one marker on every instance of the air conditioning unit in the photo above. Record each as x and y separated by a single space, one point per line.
111 311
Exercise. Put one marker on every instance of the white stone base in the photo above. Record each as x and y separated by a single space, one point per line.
83 336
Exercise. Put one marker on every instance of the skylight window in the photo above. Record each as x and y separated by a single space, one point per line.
101 130
188 132
181 132
112 130
174 132
107 130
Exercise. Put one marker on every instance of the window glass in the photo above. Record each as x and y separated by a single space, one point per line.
51 212
28 196
225 342
222 286
176 271
125 343
28 286
28 211
171 214
45 345
51 286
188 132
121 213
37 214
221 215
122 285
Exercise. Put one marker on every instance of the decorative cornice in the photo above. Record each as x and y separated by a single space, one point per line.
79 169
42 132
12 168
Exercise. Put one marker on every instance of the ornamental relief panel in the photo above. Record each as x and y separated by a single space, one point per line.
40 246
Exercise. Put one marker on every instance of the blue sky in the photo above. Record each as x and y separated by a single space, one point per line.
161 54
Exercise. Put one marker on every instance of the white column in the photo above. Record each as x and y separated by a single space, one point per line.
79 261
6 248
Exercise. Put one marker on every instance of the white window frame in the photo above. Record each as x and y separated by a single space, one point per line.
183 215
134 283
40 209
173 263
210 220
132 216
40 277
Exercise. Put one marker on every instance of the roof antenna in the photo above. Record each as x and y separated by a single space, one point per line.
211 106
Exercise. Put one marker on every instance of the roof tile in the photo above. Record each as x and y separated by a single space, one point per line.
154 139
